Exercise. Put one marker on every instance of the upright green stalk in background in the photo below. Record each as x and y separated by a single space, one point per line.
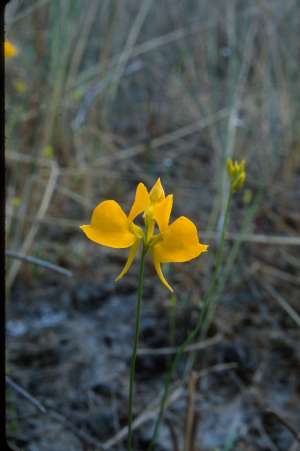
237 174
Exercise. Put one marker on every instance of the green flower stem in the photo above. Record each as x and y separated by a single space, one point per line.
207 311
216 276
202 320
172 319
232 256
135 345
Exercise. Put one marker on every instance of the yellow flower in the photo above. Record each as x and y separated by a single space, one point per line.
237 174
16 202
20 85
47 151
167 243
9 49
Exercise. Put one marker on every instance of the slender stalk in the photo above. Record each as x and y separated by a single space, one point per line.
172 318
200 322
232 257
209 299
135 345
219 258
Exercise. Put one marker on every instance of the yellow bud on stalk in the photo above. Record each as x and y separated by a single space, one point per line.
237 173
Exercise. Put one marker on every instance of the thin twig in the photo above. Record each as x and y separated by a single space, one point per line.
152 44
130 43
284 423
26 13
283 303
190 413
279 274
173 434
24 158
153 408
25 394
174 350
216 369
12 446
94 91
130 152
83 435
55 415
39 262
141 419
257 238
167 138
35 226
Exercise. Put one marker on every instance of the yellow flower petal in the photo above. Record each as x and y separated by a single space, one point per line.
141 201
158 270
132 253
179 243
162 212
9 49
138 231
110 226
157 193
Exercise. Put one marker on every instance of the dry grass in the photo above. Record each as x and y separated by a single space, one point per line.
104 94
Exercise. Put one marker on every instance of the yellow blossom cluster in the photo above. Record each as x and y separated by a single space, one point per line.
237 174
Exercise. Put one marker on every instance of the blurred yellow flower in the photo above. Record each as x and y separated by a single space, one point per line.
9 49
247 196
16 202
20 86
237 174
170 243
47 151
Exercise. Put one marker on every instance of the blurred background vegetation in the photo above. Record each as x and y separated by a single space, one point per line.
104 94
